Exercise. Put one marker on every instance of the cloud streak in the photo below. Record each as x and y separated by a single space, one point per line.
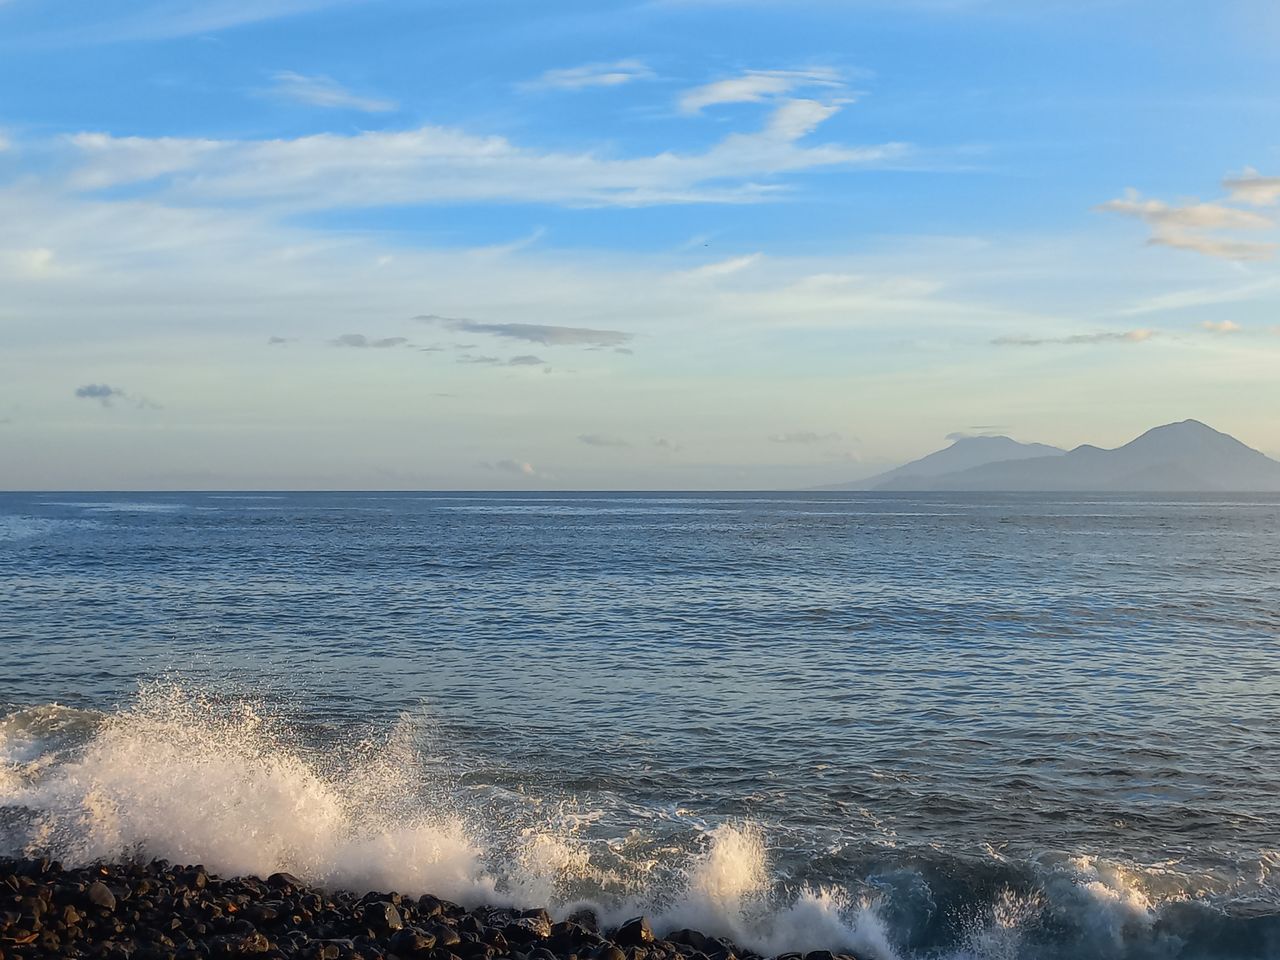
756 86
547 335
446 165
1079 339
359 341
106 395
588 75
320 91
1253 188
804 437
601 440
1196 226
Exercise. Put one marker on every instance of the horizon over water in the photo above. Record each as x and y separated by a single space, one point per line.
998 727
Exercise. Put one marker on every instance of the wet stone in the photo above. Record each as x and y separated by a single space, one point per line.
634 933
382 917
100 896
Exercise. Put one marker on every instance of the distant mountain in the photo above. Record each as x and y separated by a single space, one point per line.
1178 457
964 454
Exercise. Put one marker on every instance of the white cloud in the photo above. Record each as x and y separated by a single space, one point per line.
1221 326
439 164
32 262
1193 216
593 75
721 268
1253 188
318 91
1192 226
1214 246
756 86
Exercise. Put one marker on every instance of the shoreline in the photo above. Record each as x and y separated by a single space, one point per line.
162 911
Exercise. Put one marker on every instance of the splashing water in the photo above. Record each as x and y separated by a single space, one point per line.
227 781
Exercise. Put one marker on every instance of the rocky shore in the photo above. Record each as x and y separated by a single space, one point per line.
159 911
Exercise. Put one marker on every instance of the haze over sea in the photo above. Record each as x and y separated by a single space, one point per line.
918 725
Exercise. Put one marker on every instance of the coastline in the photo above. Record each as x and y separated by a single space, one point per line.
162 911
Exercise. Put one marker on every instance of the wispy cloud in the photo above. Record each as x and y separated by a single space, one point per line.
320 91
804 437
544 334
721 268
526 360
360 342
601 440
519 467
107 395
1127 336
130 20
1196 226
613 74
277 341
756 86
1253 188
447 165
1221 326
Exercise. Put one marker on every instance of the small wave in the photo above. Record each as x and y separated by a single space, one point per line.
26 528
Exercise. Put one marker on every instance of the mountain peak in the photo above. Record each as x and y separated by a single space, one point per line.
1185 456
1185 436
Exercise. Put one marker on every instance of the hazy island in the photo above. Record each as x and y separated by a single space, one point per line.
1185 457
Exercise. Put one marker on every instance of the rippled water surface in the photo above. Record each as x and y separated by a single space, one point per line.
920 725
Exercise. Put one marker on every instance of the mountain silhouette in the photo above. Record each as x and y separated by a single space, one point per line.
1177 457
965 453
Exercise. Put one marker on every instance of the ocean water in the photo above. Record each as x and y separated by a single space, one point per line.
915 726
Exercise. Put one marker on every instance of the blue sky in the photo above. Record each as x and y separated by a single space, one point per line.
675 243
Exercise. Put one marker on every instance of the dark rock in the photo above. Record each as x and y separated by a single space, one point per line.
470 925
473 950
445 935
586 917
566 935
429 907
634 933
284 882
99 895
528 929
382 917
819 955
692 938
410 943
609 951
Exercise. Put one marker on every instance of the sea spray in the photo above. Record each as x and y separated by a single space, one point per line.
195 778
231 782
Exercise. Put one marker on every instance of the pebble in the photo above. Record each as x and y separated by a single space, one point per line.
159 911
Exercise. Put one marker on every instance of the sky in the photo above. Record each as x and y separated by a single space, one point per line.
654 244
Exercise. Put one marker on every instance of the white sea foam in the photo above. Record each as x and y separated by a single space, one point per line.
197 779
229 783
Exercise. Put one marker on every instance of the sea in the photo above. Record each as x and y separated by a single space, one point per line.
907 726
